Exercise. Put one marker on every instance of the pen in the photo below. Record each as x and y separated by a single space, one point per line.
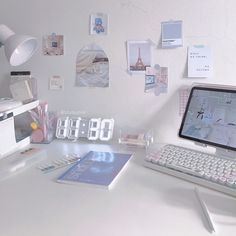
205 211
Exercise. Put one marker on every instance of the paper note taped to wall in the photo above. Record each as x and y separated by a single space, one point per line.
200 62
171 34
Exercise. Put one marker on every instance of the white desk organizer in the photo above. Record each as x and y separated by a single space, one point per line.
9 144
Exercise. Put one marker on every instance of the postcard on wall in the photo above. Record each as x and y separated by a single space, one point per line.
150 79
138 56
92 67
53 45
162 83
171 34
200 62
156 80
99 24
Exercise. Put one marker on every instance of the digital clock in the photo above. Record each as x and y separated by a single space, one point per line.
91 128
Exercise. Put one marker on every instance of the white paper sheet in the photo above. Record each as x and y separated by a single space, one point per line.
200 62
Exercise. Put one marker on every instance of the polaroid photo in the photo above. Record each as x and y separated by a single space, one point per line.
138 56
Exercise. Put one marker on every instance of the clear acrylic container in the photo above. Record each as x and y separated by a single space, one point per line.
135 137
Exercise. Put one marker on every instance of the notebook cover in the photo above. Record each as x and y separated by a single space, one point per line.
97 168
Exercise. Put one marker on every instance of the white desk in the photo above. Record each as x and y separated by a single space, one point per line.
142 202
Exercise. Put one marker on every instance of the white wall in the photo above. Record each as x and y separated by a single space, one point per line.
207 22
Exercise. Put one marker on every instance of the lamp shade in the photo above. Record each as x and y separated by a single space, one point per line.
18 48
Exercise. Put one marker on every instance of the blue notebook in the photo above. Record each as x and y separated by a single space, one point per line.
96 168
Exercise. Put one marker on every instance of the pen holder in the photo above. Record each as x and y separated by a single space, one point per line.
45 132
43 125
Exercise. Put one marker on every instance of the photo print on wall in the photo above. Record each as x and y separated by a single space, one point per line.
98 24
92 67
138 56
53 45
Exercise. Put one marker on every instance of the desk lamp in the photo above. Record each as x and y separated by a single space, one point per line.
18 48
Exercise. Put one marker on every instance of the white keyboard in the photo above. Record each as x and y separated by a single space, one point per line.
198 167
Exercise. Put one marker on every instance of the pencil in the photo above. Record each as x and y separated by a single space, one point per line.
205 211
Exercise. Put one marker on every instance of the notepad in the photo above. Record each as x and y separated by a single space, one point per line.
96 169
